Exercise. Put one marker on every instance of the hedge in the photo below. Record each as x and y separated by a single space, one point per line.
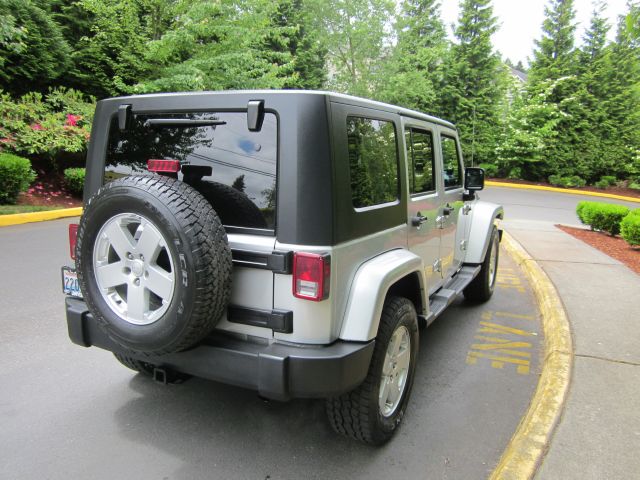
630 227
16 175
602 216
74 179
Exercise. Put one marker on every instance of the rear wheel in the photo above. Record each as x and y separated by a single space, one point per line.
373 411
482 287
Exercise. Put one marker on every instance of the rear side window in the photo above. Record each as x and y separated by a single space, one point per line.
451 170
233 168
421 161
373 161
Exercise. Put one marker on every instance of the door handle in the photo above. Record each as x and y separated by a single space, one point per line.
418 220
447 210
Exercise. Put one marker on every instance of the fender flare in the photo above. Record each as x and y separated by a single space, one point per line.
484 215
369 289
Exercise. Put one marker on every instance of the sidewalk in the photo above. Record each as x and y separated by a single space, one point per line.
598 436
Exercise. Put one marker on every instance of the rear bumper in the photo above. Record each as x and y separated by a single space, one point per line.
276 371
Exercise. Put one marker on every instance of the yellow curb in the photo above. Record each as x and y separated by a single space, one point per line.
572 191
18 218
529 443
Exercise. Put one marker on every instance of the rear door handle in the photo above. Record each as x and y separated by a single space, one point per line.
418 220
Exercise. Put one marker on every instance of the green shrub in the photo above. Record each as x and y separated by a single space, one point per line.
602 184
490 170
630 227
74 179
567 182
607 217
16 175
609 179
584 210
634 186
56 125
602 216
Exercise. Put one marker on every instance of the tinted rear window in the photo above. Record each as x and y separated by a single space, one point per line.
235 169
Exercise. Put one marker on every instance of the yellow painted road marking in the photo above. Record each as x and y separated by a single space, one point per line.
497 328
515 315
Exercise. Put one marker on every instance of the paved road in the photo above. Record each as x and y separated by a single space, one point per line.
540 205
69 412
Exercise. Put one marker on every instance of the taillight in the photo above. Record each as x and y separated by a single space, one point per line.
73 236
163 166
311 276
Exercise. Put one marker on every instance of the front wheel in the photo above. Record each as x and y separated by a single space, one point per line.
373 411
481 288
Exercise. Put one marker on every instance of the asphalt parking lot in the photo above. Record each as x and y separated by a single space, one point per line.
69 412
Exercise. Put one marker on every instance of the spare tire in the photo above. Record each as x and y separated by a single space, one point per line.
234 207
153 263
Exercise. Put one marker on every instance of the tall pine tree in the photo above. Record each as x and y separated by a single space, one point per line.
475 82
415 73
293 41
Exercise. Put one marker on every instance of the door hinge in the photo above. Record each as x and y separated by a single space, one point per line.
437 265
440 221
463 245
466 209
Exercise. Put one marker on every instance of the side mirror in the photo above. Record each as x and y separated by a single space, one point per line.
473 179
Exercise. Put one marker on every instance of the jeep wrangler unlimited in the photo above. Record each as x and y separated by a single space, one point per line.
284 241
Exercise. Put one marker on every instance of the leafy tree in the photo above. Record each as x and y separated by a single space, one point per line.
354 34
112 58
214 46
33 53
475 82
531 122
415 74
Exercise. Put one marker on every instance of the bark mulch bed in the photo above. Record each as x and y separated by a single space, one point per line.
49 190
615 247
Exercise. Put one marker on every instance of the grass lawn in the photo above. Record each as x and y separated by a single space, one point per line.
10 209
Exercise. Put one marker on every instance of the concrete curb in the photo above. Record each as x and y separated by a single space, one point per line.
561 190
18 218
526 449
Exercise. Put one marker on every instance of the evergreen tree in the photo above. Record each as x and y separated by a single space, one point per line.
41 56
554 55
415 73
294 42
622 103
476 82
554 60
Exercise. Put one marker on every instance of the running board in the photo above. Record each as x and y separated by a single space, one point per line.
444 297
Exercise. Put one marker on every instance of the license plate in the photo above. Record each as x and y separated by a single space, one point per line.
70 282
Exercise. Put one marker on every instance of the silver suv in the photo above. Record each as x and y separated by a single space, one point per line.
287 242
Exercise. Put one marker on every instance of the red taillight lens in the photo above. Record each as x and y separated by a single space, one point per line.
311 274
73 235
163 166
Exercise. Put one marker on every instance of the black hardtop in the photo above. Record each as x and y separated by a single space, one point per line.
313 201
176 101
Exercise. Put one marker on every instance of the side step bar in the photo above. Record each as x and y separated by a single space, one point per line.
440 300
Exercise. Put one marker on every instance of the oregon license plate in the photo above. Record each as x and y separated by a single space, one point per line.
70 282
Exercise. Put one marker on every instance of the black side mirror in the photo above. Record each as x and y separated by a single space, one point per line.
473 179
255 115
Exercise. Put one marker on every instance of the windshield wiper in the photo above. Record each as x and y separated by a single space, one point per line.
182 122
